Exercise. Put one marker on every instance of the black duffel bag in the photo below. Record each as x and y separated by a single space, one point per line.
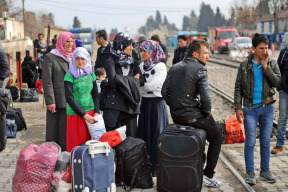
29 95
133 166
16 114
4 101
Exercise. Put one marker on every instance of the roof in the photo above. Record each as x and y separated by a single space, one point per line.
57 28
283 14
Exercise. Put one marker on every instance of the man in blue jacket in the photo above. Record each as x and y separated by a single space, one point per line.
257 78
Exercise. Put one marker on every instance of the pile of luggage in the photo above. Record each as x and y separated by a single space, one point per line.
100 165
11 119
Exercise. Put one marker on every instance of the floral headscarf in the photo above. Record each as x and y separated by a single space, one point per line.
60 50
73 69
155 51
120 42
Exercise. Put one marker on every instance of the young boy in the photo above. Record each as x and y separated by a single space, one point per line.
101 75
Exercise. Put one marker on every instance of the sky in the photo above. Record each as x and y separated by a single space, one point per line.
126 15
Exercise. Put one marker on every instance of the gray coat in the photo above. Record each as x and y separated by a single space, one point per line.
54 70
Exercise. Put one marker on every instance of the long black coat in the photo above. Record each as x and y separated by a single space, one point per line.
102 57
120 93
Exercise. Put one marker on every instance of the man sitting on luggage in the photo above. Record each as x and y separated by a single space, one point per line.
186 92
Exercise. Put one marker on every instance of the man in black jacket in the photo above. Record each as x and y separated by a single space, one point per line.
181 51
186 91
4 66
103 52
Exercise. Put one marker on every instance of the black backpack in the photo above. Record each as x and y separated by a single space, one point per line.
133 166
16 114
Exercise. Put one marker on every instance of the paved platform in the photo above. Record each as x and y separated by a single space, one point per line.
34 114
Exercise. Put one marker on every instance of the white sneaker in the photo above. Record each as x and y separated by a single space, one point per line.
211 182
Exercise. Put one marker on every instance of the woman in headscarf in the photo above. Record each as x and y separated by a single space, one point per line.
121 94
55 66
82 97
154 116
29 73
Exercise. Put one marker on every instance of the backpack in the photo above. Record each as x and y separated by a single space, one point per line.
16 114
133 166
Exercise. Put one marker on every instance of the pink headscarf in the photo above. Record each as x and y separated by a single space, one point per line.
61 40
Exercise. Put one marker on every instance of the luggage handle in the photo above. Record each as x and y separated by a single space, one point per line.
96 147
183 127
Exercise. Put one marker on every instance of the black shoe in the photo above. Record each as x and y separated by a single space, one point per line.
267 176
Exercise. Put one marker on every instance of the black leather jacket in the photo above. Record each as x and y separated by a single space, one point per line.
179 54
244 85
186 90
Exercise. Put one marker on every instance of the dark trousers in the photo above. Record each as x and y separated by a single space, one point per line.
126 119
214 139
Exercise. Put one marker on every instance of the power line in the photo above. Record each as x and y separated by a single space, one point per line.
107 6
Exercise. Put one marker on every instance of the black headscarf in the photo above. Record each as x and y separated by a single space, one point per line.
120 42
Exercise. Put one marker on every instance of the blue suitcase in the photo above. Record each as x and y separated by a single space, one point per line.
93 167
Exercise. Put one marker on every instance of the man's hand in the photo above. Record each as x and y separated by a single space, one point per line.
264 60
137 76
51 107
239 115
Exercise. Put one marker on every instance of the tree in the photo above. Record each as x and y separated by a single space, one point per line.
165 22
262 8
275 6
77 23
232 20
206 18
219 20
158 18
186 23
114 30
193 21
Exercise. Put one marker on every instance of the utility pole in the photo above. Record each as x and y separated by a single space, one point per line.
23 10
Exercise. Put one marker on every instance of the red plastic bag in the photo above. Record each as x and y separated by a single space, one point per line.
34 168
39 86
114 137
234 130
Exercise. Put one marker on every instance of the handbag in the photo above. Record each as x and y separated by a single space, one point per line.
29 95
11 128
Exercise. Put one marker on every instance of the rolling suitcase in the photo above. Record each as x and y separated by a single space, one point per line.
180 159
93 167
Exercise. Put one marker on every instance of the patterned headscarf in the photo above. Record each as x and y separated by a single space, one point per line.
155 51
60 50
120 42
73 69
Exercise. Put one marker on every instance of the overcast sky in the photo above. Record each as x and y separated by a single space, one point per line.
123 14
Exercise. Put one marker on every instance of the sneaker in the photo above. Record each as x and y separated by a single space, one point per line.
267 176
211 182
250 178
276 150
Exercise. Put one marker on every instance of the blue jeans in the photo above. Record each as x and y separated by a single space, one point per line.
263 115
283 117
